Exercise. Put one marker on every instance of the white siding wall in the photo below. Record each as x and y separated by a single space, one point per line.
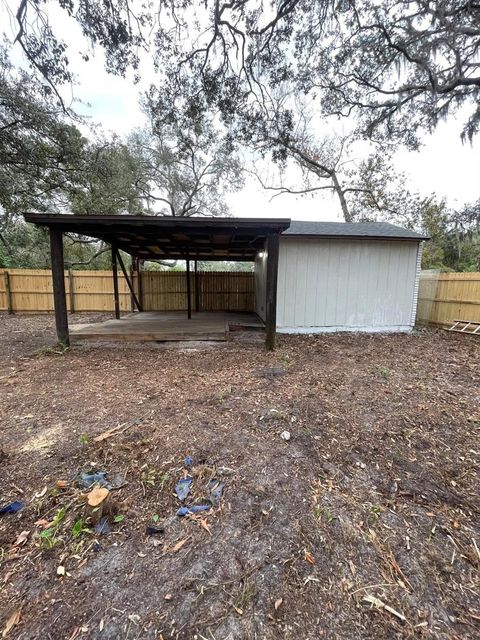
346 284
261 285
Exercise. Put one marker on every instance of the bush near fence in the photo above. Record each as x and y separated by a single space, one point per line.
30 291
446 297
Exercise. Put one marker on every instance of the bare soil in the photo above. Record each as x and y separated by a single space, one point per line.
365 524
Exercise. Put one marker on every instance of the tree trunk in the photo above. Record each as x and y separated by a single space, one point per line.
341 196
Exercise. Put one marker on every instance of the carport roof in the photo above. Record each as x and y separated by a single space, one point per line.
166 237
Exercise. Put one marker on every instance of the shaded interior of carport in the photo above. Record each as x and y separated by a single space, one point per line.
166 238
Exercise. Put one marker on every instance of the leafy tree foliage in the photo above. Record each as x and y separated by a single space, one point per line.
40 153
399 66
110 179
186 171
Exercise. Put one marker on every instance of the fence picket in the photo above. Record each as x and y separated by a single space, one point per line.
31 291
445 297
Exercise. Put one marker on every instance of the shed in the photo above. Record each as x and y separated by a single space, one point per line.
309 276
335 276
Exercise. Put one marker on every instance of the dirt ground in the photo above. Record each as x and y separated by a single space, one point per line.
365 524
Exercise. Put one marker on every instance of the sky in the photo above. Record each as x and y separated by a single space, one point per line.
443 166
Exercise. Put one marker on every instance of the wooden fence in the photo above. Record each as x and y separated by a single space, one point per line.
445 297
30 291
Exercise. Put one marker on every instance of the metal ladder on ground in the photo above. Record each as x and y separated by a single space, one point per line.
466 326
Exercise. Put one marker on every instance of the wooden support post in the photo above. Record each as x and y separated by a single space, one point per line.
197 288
189 293
130 284
140 282
71 291
8 291
272 249
116 298
58 280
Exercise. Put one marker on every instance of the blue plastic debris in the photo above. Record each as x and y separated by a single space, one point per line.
184 511
87 480
188 462
13 507
103 526
153 531
215 488
182 488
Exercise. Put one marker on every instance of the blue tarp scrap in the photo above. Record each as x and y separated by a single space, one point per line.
185 511
215 489
103 526
182 488
87 480
13 507
154 531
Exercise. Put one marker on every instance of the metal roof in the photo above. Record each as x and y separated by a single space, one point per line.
351 230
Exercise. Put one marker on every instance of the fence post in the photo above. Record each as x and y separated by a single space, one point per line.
197 288
132 279
8 291
71 291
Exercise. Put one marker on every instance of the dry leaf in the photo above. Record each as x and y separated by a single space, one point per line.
45 524
204 525
278 603
13 620
238 610
309 558
179 545
61 484
168 596
101 625
60 570
41 493
21 539
7 576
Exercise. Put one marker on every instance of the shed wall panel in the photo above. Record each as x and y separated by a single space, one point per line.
346 284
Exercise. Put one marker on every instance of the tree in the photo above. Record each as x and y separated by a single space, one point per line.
40 153
398 66
110 181
186 170
365 190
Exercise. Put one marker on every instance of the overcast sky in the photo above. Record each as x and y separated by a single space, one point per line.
444 166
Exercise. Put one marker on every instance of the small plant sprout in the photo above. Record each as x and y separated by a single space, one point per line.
79 528
163 480
375 511
84 439
330 518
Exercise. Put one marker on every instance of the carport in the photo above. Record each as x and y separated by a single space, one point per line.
166 238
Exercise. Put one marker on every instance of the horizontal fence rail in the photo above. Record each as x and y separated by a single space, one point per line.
446 297
30 291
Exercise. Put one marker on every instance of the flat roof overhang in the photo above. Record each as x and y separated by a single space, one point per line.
171 238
